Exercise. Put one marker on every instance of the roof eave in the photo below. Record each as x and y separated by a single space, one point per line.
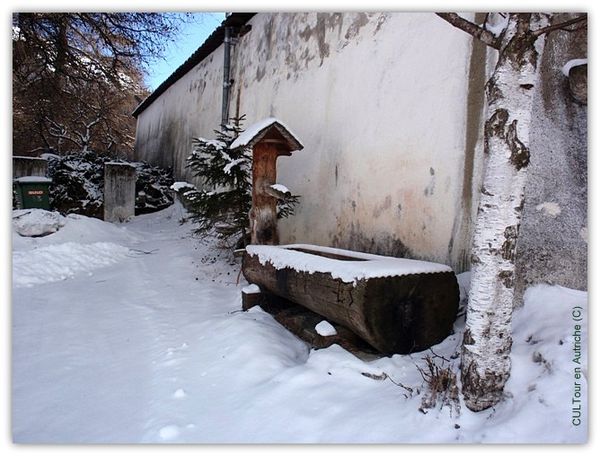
214 40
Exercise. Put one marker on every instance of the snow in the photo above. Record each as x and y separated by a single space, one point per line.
33 180
154 348
63 261
324 328
49 156
572 63
348 271
280 188
177 186
118 163
179 394
251 289
496 23
36 222
550 209
248 135
16 34
169 432
193 192
217 144
232 163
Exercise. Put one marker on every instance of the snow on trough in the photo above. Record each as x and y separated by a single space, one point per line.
251 289
365 266
155 349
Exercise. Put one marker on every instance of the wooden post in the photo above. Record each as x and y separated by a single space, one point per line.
269 139
263 216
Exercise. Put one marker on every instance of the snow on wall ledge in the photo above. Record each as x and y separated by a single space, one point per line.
366 265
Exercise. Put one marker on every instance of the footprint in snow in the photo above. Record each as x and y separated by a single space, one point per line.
172 350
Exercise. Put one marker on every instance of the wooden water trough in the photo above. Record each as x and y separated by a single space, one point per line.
396 305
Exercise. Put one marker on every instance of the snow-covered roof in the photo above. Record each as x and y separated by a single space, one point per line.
40 158
34 180
257 131
365 266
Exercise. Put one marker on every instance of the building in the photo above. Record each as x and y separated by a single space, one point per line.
390 108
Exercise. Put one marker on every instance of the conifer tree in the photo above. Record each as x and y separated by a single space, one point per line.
224 204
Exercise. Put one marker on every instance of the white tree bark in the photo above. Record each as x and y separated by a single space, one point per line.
487 340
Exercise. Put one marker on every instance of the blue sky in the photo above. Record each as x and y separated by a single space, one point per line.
190 38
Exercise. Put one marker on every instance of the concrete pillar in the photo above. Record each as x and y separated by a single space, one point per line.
119 192
29 166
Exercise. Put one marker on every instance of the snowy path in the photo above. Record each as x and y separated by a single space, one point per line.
154 348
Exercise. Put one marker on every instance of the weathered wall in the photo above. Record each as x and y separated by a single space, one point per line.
390 108
553 241
380 103
29 166
119 192
189 108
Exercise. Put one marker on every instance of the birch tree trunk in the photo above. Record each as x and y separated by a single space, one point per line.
487 340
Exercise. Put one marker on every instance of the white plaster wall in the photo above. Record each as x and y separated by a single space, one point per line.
189 108
379 101
382 118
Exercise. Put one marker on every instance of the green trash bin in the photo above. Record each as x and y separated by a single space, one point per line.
32 192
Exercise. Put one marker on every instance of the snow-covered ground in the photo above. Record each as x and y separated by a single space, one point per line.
134 333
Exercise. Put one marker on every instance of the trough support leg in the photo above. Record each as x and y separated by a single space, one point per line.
250 300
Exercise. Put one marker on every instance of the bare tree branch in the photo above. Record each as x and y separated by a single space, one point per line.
59 131
472 29
75 66
560 25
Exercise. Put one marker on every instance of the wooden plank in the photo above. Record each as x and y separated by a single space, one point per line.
250 300
302 322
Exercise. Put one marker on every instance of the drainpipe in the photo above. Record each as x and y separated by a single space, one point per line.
226 77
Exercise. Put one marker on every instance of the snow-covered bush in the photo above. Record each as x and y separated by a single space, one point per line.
78 184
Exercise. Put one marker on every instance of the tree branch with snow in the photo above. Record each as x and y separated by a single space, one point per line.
561 26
